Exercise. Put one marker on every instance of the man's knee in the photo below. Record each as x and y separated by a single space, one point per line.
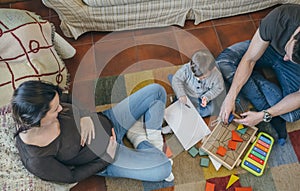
229 59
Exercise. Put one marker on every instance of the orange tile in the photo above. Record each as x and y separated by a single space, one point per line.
209 186
235 136
232 144
221 151
243 189
168 152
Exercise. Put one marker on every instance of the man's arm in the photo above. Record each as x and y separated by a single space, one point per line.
255 50
289 103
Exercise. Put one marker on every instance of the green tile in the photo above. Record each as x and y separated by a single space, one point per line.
193 151
204 162
110 90
202 153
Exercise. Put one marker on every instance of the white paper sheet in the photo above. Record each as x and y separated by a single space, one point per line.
215 163
186 123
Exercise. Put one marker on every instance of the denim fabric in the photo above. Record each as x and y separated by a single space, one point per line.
146 162
262 93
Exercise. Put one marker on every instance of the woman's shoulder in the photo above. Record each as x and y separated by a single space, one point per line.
40 136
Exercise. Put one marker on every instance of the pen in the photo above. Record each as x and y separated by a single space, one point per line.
187 105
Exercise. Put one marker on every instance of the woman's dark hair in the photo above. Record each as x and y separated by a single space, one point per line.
296 49
30 103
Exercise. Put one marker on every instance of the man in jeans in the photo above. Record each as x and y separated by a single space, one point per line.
275 45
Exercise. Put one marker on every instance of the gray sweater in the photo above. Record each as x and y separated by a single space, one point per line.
185 84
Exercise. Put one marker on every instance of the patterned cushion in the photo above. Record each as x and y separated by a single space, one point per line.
27 52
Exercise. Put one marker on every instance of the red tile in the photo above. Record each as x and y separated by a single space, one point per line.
149 31
294 137
236 32
189 24
107 36
221 183
97 35
35 6
82 66
158 50
258 15
114 57
228 20
206 37
84 92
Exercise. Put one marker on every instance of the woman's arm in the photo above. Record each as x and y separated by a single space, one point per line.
50 169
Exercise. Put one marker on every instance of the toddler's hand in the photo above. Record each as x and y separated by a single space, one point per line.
203 101
183 99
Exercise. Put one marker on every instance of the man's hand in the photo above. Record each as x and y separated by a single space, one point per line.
250 118
228 106
87 130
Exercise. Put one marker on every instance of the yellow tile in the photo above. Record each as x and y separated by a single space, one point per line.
138 80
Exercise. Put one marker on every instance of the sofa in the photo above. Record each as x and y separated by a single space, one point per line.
80 16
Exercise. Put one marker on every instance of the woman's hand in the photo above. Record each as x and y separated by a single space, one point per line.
250 118
87 129
112 145
183 99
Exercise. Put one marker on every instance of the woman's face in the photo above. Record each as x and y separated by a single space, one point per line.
52 114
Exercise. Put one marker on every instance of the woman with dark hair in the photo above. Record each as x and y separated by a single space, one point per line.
52 134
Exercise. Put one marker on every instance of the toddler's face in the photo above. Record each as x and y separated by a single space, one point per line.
197 72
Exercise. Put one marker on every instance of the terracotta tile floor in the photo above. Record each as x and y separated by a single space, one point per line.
105 54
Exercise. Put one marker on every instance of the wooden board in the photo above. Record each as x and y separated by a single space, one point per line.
220 136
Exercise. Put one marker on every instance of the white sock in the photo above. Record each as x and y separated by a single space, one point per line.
166 130
137 134
170 177
155 137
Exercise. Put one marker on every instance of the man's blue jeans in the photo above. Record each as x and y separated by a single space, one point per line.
146 162
259 91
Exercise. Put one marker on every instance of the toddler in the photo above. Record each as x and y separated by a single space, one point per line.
201 81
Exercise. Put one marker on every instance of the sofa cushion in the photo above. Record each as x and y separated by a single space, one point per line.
106 3
27 52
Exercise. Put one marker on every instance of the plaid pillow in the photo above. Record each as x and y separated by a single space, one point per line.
27 52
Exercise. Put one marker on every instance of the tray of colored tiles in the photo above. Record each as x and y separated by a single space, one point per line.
256 158
227 143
